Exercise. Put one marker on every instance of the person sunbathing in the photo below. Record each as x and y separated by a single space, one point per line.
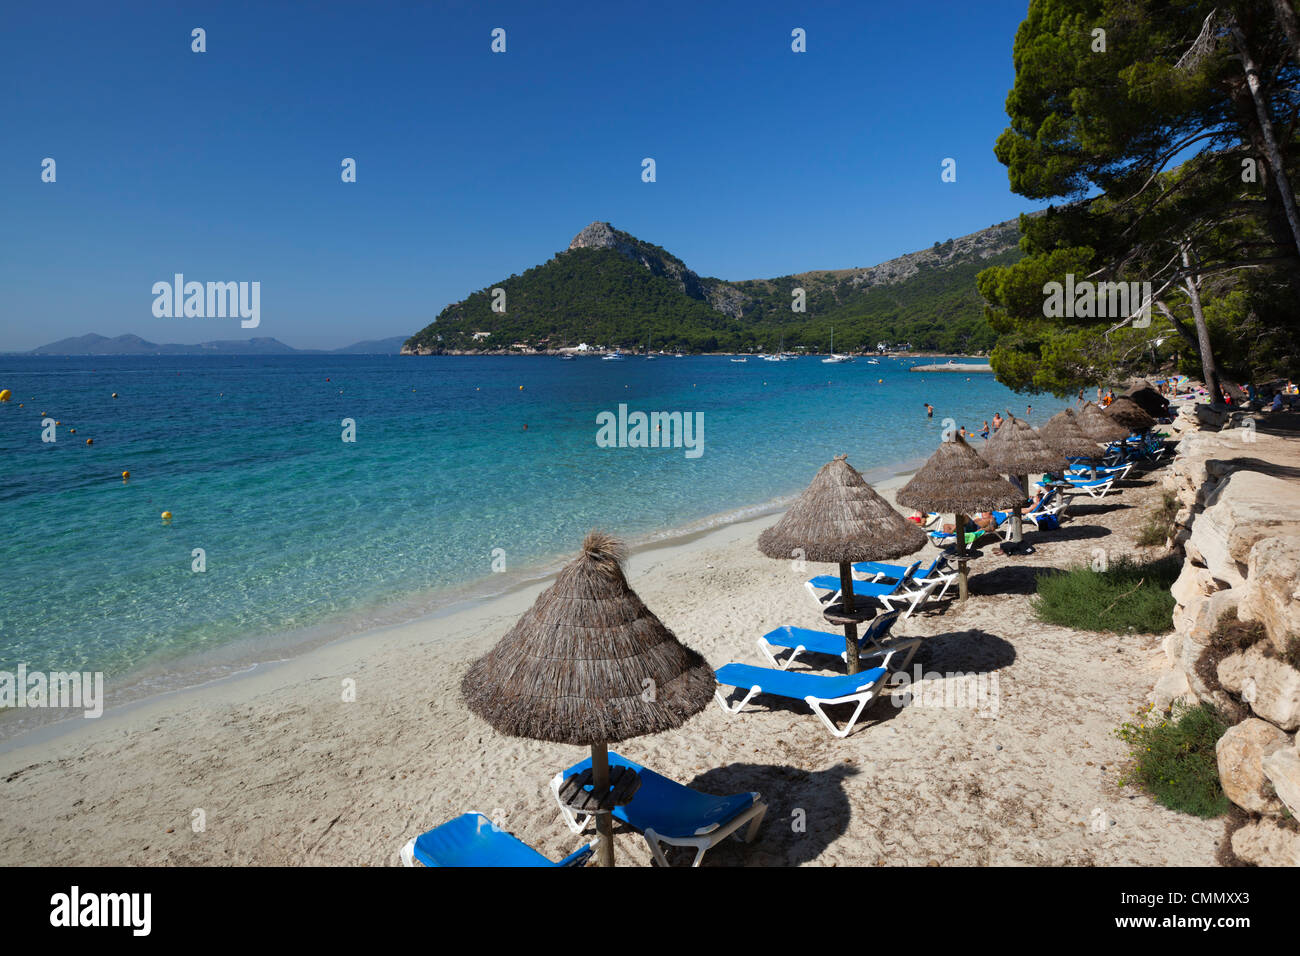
980 521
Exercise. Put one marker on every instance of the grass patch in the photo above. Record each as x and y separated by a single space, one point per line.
1160 522
1174 759
1127 597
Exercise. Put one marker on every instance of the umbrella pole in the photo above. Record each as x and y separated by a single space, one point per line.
1017 528
850 630
604 821
959 526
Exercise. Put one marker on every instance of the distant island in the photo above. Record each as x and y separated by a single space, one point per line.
611 290
94 344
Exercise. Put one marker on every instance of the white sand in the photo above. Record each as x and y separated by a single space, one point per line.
286 772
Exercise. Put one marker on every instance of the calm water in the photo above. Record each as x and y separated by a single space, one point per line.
302 530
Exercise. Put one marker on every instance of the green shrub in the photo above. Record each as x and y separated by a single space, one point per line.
1174 758
1127 597
1160 523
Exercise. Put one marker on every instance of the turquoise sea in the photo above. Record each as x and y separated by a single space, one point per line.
458 462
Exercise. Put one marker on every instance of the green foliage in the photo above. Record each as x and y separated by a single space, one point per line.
1127 597
1098 130
1174 758
1160 523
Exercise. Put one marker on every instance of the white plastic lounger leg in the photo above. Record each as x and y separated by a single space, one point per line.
705 841
722 701
821 601
771 650
893 648
570 818
817 703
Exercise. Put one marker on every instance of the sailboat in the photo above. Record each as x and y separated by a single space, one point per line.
649 356
833 358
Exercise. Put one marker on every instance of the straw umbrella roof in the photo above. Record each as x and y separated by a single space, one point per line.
1130 415
1062 431
1095 424
576 666
1150 401
956 479
1017 449
839 518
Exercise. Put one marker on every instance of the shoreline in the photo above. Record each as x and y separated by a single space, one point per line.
197 670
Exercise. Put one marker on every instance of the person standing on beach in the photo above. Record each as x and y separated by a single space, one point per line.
984 433
929 410
997 420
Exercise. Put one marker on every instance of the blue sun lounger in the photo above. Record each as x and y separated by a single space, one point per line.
816 690
666 812
907 590
893 572
801 639
471 839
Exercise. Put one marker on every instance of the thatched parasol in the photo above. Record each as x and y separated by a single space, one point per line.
1063 433
589 664
1018 451
840 519
1129 414
1097 426
1150 401
956 479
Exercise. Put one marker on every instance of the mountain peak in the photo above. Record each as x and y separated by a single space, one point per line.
598 235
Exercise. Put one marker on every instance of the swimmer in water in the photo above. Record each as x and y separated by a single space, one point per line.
997 420
929 410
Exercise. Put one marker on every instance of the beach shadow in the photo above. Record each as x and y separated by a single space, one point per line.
1278 423
1009 579
1078 508
972 651
806 812
1271 468
1069 532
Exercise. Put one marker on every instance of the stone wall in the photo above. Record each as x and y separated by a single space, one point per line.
1238 525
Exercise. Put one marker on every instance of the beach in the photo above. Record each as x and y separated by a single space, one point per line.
279 769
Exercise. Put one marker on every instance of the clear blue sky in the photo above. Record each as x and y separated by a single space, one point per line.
472 165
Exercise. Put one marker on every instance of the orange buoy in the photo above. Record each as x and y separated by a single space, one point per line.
167 516
90 441
126 475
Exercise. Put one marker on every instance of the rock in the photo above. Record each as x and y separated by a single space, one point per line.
1282 767
1196 639
1241 752
1243 508
1171 686
1267 683
1194 582
1264 843
1272 594
1172 645
1209 416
